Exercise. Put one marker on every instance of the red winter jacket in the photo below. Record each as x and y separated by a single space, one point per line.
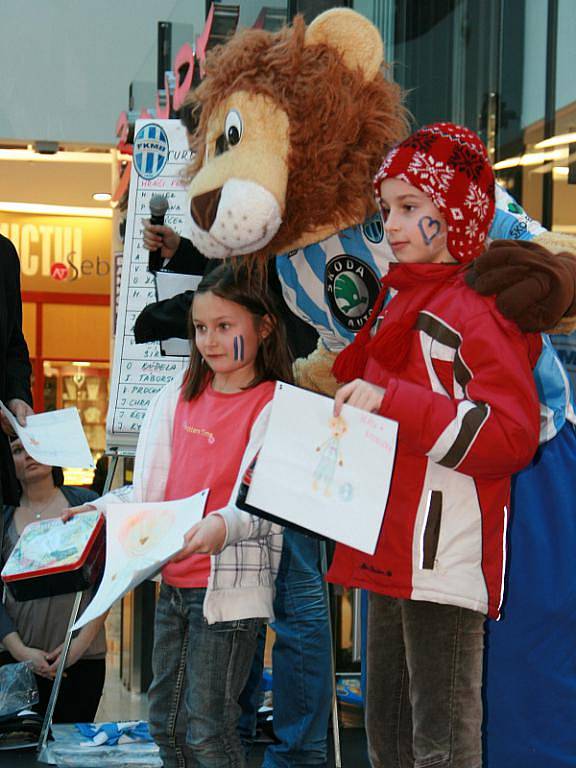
468 412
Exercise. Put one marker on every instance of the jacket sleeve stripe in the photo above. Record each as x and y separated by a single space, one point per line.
454 443
438 330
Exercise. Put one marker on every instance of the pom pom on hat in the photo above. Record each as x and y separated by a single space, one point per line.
450 164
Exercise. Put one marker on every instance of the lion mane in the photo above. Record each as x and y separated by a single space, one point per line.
341 124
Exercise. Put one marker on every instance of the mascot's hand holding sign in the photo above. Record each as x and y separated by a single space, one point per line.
293 127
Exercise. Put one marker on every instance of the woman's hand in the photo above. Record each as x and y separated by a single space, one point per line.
360 394
69 513
39 660
206 537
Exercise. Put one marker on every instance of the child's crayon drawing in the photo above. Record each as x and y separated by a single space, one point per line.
330 457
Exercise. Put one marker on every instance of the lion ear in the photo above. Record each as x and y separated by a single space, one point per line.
353 35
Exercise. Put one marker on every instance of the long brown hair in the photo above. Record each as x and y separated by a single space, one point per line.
273 358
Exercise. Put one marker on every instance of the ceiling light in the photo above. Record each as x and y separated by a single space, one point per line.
56 210
530 158
103 197
555 141
46 147
510 162
60 157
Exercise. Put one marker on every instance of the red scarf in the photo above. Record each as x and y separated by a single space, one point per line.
390 345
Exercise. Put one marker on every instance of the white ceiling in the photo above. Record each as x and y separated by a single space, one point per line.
54 183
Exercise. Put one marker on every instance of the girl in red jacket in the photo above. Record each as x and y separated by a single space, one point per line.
439 359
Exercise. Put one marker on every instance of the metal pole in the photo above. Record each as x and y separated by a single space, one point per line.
550 109
43 755
335 721
111 472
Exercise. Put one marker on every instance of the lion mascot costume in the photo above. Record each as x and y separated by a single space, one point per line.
293 127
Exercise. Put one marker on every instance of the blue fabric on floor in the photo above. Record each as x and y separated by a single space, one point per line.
114 731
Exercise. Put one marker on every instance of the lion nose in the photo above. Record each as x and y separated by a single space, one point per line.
204 208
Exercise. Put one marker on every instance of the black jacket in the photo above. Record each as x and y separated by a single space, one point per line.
169 318
14 362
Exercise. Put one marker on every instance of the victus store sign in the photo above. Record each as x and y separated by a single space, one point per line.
61 253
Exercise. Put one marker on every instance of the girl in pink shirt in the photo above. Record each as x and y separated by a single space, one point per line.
202 431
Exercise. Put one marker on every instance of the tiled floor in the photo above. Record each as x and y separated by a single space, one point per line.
117 703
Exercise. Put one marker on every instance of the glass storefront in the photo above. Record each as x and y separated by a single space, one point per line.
505 69
85 386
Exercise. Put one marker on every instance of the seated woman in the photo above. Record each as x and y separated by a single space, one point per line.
35 630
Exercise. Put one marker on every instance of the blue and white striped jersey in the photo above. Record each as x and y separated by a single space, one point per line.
333 284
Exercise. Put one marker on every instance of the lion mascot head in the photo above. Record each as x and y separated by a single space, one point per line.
293 127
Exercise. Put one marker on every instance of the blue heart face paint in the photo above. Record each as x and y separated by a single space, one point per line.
429 228
239 348
415 228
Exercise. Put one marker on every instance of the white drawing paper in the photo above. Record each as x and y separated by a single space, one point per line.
169 284
140 539
326 474
55 438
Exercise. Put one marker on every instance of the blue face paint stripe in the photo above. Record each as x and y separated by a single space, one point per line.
238 347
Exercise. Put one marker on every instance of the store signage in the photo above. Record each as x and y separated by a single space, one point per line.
61 253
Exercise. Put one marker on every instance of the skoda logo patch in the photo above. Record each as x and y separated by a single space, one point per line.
351 288
150 151
374 229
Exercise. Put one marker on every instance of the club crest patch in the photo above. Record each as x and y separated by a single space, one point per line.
351 290
373 229
151 151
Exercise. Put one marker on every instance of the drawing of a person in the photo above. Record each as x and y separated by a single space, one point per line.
330 456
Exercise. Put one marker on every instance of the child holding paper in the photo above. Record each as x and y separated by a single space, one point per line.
441 361
202 431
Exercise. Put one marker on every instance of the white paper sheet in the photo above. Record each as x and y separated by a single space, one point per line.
331 476
169 284
140 539
55 438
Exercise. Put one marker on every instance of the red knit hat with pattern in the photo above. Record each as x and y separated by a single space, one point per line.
450 164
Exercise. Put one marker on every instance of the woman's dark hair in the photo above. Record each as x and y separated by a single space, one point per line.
58 476
238 285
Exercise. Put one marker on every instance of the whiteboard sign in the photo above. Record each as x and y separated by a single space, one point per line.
139 371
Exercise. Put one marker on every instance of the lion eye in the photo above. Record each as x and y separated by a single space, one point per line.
233 127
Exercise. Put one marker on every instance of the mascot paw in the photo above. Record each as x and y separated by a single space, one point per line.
315 371
534 288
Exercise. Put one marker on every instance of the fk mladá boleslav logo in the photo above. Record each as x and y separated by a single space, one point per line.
150 151
374 229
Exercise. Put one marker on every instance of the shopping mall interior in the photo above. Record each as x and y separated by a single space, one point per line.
77 76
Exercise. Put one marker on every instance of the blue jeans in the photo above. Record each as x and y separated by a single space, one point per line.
199 671
301 658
